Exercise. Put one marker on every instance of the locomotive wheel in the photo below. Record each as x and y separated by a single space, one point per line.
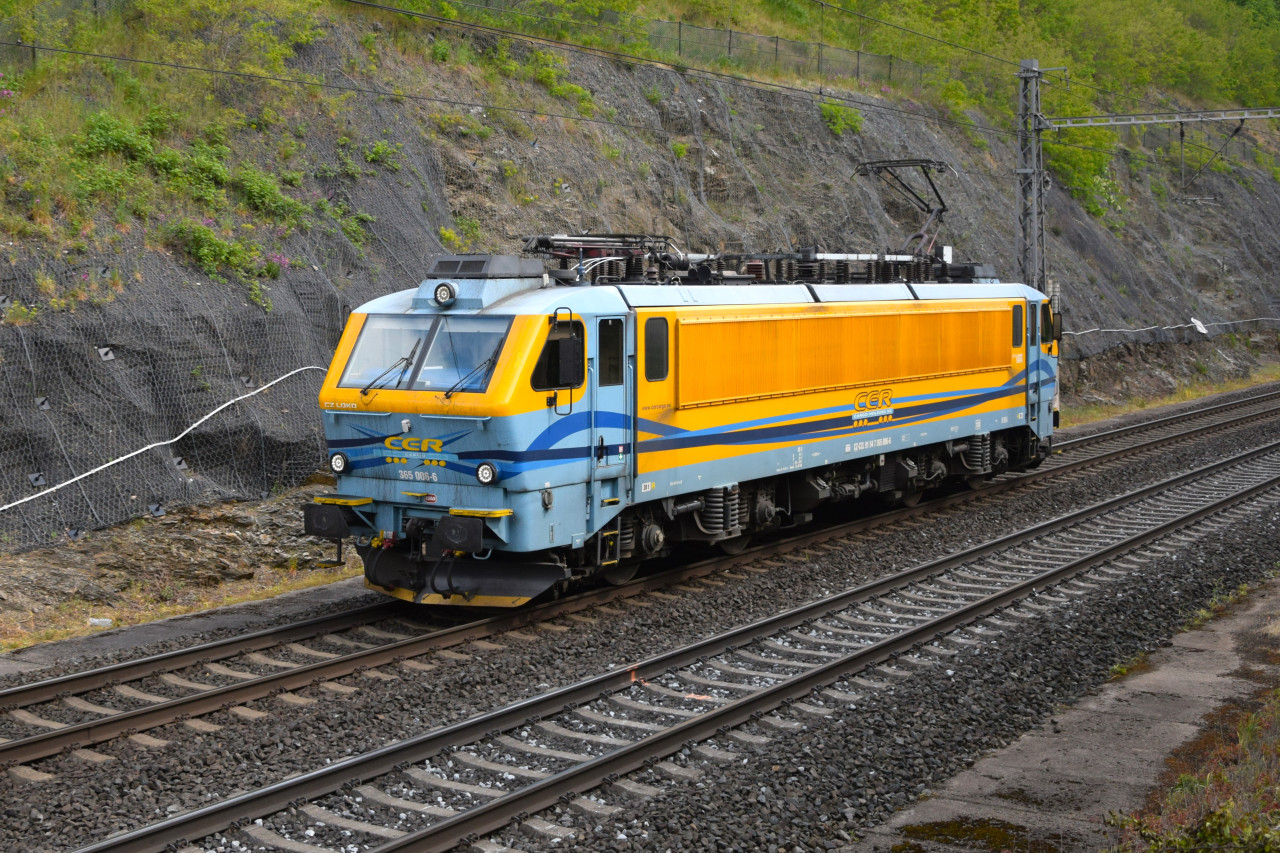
976 482
620 573
733 546
911 497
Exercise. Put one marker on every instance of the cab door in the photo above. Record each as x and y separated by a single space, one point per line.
609 358
1049 336
1032 316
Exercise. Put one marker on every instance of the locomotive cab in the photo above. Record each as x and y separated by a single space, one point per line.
457 409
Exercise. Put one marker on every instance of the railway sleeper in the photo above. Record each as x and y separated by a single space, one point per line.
557 730
716 683
379 797
545 752
752 656
432 780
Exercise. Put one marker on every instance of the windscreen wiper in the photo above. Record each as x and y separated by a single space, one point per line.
488 362
405 360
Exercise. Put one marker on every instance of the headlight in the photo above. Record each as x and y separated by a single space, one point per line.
486 473
338 462
444 294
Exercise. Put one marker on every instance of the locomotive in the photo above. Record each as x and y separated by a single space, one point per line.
516 425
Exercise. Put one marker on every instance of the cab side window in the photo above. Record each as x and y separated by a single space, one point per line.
609 346
1046 322
551 363
656 347
1018 328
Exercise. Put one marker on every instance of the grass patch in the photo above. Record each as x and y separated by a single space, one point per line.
1229 802
1218 605
1137 663
1092 412
152 148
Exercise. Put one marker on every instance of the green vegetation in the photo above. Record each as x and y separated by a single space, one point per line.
549 69
86 142
95 152
385 153
1215 53
1227 802
840 118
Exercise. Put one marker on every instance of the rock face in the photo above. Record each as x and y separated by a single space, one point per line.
139 364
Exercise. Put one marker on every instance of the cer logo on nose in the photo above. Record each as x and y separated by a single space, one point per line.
422 445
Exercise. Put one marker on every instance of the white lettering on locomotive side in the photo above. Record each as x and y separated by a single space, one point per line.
875 416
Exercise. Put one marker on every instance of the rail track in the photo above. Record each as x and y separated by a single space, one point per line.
474 777
345 643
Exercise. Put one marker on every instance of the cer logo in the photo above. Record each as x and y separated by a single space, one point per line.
422 445
867 400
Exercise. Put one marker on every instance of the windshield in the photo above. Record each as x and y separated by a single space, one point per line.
425 353
462 354
382 355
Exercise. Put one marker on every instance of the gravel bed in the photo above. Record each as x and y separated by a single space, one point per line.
816 788
263 751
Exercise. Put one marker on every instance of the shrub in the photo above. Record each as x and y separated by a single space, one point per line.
18 314
209 252
548 69
262 193
451 241
104 133
840 118
385 153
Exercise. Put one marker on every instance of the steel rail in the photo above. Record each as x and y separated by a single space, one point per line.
227 813
74 736
567 784
81 682
45 744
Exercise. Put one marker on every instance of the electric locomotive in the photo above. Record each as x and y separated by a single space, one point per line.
518 424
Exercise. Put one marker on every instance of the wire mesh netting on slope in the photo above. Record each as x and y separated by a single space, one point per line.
82 390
